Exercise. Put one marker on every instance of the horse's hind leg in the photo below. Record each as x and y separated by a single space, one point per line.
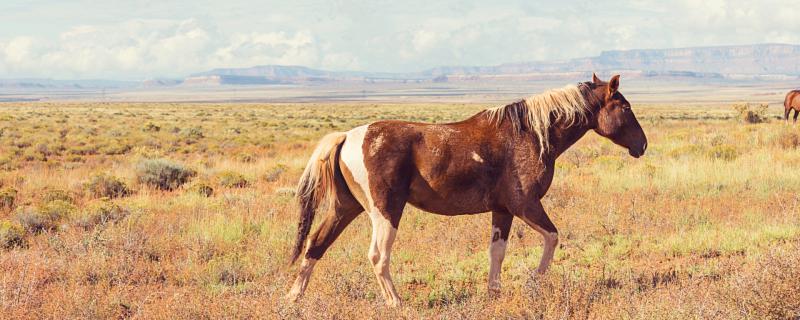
535 216
501 225
346 209
796 112
380 251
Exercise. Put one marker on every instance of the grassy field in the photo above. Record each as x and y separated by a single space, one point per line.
187 211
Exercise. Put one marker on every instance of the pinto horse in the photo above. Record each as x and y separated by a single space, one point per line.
499 160
792 101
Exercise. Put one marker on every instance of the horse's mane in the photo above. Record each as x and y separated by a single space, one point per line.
537 113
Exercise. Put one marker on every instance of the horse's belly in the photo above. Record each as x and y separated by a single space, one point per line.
450 200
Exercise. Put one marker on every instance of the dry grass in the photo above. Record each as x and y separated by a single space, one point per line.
706 225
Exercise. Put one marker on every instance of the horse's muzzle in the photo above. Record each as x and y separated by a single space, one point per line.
637 152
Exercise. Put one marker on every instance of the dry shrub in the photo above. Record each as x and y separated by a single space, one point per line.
788 140
768 289
563 296
11 234
103 185
8 198
163 174
275 173
230 271
749 113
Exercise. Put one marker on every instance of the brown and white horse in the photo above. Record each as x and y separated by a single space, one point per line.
499 160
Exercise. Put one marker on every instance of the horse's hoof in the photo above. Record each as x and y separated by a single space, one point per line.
292 297
393 304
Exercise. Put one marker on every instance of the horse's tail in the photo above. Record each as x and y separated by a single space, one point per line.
316 186
788 99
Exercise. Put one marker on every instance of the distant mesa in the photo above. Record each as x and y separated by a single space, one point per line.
760 61
228 80
740 62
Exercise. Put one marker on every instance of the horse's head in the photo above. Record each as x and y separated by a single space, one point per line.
615 119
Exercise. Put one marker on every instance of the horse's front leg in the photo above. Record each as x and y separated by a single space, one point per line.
534 215
501 226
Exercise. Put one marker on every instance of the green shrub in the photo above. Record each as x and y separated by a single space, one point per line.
74 158
99 212
30 155
246 157
8 198
230 179
46 217
723 152
84 150
151 127
685 150
103 185
115 148
163 174
749 113
202 188
11 234
50 195
7 163
193 133
609 162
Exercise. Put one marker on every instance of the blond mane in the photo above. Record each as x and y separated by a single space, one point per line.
566 105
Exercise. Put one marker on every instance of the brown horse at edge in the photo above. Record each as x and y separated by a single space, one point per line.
499 160
792 101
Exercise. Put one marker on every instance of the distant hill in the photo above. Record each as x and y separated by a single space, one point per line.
734 62
741 62
760 59
270 71
35 83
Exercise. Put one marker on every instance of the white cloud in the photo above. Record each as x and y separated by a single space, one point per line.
90 40
143 48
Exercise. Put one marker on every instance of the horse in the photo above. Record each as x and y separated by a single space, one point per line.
500 160
792 101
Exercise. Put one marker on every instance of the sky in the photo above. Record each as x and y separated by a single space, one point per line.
134 40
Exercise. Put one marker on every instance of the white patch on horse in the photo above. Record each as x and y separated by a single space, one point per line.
352 156
376 145
476 157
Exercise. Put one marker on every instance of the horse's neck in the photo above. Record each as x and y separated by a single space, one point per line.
563 138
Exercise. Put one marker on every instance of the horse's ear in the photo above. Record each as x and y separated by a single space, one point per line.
595 79
613 85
